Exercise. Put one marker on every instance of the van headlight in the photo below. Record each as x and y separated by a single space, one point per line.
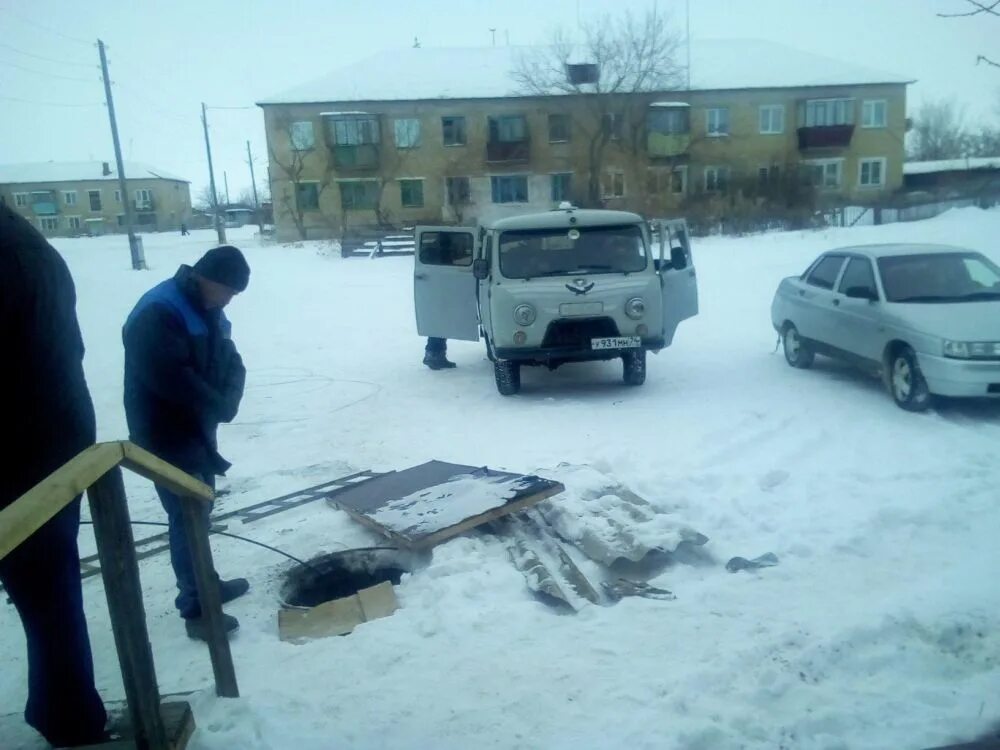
635 308
524 315
972 349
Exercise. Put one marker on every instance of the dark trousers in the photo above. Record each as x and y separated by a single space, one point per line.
42 578
187 602
436 346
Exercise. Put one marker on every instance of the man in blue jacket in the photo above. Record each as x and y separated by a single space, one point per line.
183 377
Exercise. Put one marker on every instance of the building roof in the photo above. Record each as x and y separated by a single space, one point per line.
951 165
78 171
485 72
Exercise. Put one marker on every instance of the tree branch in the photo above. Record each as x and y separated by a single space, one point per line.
988 61
979 8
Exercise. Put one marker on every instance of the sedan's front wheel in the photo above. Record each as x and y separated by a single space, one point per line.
909 389
797 352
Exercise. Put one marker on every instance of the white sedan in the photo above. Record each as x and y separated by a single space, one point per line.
924 317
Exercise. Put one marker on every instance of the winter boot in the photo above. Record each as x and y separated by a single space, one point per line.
233 589
437 361
197 627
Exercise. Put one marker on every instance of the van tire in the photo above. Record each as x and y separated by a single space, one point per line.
634 367
508 376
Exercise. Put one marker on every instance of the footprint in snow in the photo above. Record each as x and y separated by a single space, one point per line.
773 479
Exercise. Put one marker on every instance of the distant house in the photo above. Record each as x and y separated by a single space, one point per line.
65 199
238 216
952 178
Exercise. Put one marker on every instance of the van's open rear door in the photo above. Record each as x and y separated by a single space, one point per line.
444 289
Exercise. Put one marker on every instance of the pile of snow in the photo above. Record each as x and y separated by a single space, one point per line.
879 628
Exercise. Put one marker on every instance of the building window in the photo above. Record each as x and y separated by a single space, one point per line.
118 196
768 175
716 179
73 222
509 188
561 187
354 131
871 172
611 122
772 119
614 185
95 199
717 121
307 196
508 129
407 132
678 180
411 193
458 190
143 198
453 130
69 197
302 135
825 173
121 220
558 128
669 120
873 113
358 195
815 113
20 200
49 223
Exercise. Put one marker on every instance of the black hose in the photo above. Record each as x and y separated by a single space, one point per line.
231 536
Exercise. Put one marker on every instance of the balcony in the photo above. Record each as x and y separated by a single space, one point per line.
667 145
508 151
825 136
43 203
363 156
139 205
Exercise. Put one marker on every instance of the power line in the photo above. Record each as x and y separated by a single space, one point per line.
26 20
43 73
46 59
149 102
50 104
207 107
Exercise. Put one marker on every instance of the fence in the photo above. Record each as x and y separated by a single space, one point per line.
378 245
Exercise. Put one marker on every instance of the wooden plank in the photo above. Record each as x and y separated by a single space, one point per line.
196 528
120 569
154 468
34 508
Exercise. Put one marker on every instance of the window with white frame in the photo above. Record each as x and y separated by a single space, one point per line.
826 174
143 198
873 113
611 122
49 223
307 196
614 185
407 131
717 121
73 222
509 188
69 197
871 172
678 180
771 119
716 179
20 200
561 186
824 112
302 135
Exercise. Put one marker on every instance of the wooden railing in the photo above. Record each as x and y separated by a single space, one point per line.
97 471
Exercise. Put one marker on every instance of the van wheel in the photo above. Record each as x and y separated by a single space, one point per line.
508 376
906 382
634 367
797 352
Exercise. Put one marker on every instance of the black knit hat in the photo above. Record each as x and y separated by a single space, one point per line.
225 265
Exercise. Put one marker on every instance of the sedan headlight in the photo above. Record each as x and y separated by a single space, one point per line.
635 308
972 349
524 315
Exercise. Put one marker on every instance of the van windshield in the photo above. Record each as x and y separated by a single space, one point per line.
528 253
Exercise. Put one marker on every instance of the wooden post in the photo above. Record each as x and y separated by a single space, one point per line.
120 569
196 528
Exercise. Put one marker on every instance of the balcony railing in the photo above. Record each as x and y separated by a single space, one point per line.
666 145
45 208
140 204
508 151
361 156
825 136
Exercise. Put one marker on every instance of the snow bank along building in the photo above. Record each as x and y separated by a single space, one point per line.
66 199
448 135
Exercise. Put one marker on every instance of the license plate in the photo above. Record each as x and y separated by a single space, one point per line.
616 342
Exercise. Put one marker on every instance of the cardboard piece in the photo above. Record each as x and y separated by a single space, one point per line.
339 616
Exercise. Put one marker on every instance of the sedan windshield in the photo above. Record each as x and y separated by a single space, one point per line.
940 277
527 253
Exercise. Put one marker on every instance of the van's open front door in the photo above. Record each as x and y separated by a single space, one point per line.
678 278
444 289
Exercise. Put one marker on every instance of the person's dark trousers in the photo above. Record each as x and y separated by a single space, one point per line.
436 346
42 578
187 602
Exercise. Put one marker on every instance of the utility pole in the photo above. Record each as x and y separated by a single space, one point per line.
134 243
687 20
256 201
493 37
225 182
219 228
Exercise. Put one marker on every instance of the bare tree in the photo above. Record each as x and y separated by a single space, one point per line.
939 132
979 7
203 199
292 169
631 54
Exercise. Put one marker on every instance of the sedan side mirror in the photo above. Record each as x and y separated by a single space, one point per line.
481 268
678 258
862 292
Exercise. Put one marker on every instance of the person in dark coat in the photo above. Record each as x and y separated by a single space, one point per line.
436 354
48 418
183 377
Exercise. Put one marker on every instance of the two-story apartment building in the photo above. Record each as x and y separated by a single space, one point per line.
425 135
66 199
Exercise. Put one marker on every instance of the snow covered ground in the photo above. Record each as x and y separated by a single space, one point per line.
880 627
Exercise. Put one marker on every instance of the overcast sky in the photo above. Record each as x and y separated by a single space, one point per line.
168 57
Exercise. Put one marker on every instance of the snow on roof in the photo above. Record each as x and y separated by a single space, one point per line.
951 165
669 104
485 72
354 113
78 171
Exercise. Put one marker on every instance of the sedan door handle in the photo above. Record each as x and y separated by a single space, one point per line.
420 276
836 302
802 292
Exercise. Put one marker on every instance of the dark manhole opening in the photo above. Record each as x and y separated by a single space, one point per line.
341 574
